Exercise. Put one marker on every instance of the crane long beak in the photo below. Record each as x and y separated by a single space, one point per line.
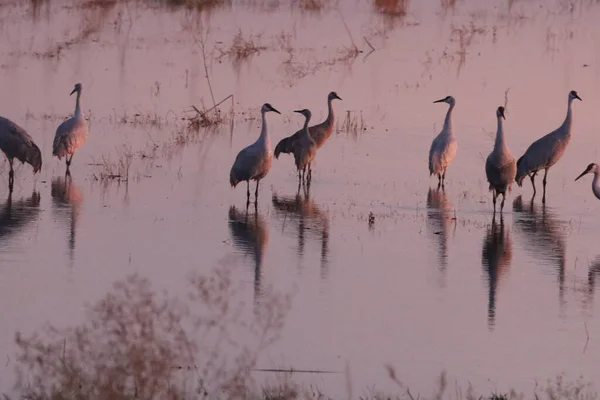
74 90
440 101
298 111
338 97
577 97
582 174
273 109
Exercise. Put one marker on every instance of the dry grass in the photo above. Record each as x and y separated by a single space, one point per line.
136 343
241 48
392 8
352 124
115 171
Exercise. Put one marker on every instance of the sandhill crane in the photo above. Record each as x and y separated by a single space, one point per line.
546 151
592 169
72 133
496 256
254 161
305 148
500 165
16 143
320 132
443 148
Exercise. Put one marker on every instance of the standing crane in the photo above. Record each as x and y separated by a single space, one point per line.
15 142
500 165
254 161
592 169
546 151
443 148
305 149
71 134
320 133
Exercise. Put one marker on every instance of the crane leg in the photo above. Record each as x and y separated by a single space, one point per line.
439 181
256 191
11 175
309 173
494 200
502 204
532 177
544 185
248 192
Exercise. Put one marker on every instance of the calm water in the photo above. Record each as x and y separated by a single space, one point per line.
434 284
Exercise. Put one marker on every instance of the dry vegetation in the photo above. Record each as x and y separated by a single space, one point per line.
137 343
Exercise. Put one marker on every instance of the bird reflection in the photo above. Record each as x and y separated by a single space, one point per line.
251 236
593 273
496 256
310 218
439 219
15 215
67 199
544 236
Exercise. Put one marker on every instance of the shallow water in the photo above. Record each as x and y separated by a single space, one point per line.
433 284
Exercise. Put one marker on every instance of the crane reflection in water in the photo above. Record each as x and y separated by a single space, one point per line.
310 220
67 200
496 256
544 237
250 236
16 215
439 220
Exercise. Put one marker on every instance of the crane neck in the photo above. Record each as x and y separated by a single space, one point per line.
448 121
78 113
306 121
499 144
263 139
330 116
596 185
567 123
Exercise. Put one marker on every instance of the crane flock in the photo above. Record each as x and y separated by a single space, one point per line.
501 168
254 161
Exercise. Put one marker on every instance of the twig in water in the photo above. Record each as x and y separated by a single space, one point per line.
587 340
201 43
370 52
349 33
300 371
506 99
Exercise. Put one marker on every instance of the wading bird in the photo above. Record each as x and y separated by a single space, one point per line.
546 151
254 161
16 143
592 169
71 134
320 133
443 148
305 149
500 165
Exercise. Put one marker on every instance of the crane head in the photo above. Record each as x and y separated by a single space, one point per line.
591 168
500 112
267 107
333 95
573 95
306 112
77 88
448 99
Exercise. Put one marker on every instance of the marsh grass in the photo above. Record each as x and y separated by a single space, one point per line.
139 343
352 124
241 48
